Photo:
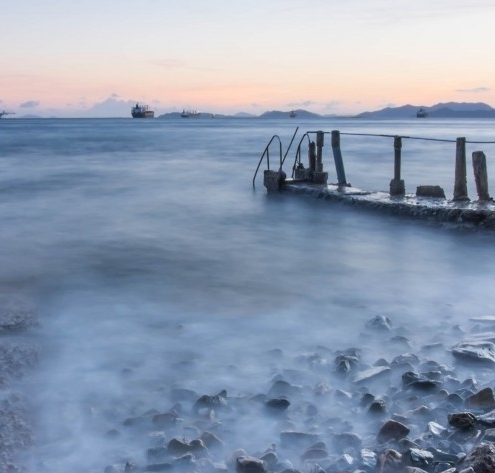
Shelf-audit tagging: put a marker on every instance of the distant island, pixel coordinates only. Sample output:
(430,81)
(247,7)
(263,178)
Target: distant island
(448,110)
(440,110)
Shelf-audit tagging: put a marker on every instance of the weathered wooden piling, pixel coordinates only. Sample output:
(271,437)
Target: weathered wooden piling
(337,157)
(397,185)
(460,183)
(320,177)
(481,175)
(312,156)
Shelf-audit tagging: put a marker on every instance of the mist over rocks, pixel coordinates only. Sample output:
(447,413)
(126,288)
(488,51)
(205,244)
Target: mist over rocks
(18,356)
(381,407)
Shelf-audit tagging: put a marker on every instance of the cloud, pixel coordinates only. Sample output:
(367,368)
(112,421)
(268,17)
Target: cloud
(474,90)
(30,104)
(304,103)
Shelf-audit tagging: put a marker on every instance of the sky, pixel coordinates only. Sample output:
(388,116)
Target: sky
(96,58)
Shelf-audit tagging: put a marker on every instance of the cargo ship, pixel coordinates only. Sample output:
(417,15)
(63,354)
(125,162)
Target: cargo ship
(142,111)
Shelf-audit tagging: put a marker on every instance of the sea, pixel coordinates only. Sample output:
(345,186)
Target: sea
(150,261)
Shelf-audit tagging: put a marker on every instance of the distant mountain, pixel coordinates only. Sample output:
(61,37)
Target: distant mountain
(440,110)
(299,114)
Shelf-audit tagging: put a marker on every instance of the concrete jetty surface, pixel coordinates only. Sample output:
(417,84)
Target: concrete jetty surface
(471,214)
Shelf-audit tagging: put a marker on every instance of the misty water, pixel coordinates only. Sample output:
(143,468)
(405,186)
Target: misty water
(151,264)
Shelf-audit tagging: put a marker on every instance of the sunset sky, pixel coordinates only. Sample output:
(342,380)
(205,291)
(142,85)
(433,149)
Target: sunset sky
(96,57)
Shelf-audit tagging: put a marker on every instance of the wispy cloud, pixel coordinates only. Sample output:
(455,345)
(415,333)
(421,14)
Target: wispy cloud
(474,90)
(30,104)
(304,103)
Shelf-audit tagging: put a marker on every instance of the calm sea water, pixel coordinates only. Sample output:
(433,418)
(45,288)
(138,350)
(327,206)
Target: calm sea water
(144,249)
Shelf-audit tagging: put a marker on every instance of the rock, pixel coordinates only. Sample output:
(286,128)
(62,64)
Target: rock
(371,373)
(392,430)
(345,440)
(462,420)
(248,464)
(483,399)
(419,458)
(389,461)
(211,441)
(380,323)
(481,459)
(291,438)
(282,388)
(218,401)
(179,447)
(479,351)
(165,420)
(430,191)
(279,404)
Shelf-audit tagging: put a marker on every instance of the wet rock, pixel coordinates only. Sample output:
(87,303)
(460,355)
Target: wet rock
(248,464)
(368,459)
(218,401)
(293,439)
(435,429)
(346,440)
(282,388)
(380,323)
(389,461)
(481,459)
(314,454)
(159,467)
(370,374)
(378,406)
(392,430)
(419,458)
(483,399)
(462,420)
(277,405)
(157,454)
(179,447)
(211,441)
(165,420)
(16,320)
(479,351)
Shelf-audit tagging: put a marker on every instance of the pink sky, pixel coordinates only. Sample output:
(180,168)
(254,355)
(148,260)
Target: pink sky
(95,58)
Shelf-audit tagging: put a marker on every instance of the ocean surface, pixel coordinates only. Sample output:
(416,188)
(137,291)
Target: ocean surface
(151,262)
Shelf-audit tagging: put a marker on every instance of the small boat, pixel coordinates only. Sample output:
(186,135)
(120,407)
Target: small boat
(142,111)
(421,113)
(292,114)
(190,114)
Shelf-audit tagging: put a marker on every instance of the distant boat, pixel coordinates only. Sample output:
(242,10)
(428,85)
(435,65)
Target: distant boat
(190,114)
(142,111)
(421,113)
(292,113)
(3,113)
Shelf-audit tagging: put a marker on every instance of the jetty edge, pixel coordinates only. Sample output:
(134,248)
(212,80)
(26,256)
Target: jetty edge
(427,203)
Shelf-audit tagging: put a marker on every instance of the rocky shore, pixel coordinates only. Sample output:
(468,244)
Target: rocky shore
(17,357)
(428,409)
(401,400)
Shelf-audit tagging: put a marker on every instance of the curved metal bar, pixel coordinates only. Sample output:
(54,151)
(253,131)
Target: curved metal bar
(298,152)
(268,156)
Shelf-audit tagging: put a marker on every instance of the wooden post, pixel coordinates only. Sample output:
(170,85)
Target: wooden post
(481,175)
(460,185)
(319,151)
(312,156)
(397,156)
(397,186)
(337,157)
